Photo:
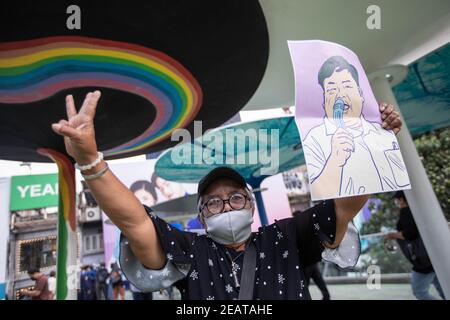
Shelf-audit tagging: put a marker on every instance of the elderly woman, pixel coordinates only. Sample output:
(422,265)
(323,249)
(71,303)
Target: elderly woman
(229,262)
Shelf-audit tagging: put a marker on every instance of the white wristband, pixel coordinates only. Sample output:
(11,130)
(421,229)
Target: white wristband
(91,165)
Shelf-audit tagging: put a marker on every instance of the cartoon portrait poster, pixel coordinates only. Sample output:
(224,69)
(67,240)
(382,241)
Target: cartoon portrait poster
(347,152)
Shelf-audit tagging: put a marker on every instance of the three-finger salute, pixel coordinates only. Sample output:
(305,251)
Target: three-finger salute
(78,130)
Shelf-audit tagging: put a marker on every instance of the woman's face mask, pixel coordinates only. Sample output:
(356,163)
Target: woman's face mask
(230,227)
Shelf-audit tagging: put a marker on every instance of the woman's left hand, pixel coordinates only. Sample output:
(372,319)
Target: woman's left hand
(391,118)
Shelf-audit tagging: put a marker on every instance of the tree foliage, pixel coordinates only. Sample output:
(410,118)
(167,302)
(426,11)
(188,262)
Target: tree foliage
(434,149)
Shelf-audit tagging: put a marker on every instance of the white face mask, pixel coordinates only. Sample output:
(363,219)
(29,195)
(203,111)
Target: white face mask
(230,227)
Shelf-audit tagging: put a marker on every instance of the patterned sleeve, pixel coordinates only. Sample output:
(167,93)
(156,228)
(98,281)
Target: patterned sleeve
(177,246)
(318,225)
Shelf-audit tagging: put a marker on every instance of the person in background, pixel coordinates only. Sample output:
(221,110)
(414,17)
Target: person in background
(139,295)
(313,272)
(52,283)
(40,291)
(87,283)
(411,244)
(101,282)
(117,283)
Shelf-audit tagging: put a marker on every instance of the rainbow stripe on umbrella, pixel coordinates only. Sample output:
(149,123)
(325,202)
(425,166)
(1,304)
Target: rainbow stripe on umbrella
(33,70)
(67,248)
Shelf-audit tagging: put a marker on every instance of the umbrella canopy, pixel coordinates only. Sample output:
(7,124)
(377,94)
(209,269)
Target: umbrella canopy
(287,148)
(424,96)
(177,207)
(160,64)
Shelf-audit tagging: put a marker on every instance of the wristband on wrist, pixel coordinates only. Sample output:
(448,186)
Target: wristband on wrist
(90,165)
(95,175)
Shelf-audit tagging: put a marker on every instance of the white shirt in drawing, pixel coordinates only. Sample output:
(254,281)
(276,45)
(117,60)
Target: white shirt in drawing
(375,165)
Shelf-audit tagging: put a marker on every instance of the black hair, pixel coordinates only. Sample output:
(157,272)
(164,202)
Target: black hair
(336,63)
(296,213)
(147,186)
(33,270)
(52,273)
(399,195)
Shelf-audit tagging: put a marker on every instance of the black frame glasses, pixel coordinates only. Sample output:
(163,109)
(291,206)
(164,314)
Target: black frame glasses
(209,213)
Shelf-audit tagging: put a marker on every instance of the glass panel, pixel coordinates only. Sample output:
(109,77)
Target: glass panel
(37,253)
(100,240)
(87,243)
(94,243)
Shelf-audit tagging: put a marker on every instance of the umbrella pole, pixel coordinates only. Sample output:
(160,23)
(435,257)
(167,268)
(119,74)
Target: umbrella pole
(256,184)
(67,239)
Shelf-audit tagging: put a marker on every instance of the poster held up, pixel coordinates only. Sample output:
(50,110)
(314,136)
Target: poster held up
(347,152)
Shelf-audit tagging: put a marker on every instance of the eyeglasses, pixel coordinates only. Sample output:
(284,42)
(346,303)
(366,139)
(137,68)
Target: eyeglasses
(215,205)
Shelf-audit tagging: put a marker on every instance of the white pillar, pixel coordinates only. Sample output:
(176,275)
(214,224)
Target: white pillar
(421,198)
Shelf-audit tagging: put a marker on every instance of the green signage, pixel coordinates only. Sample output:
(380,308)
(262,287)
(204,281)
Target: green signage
(34,191)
